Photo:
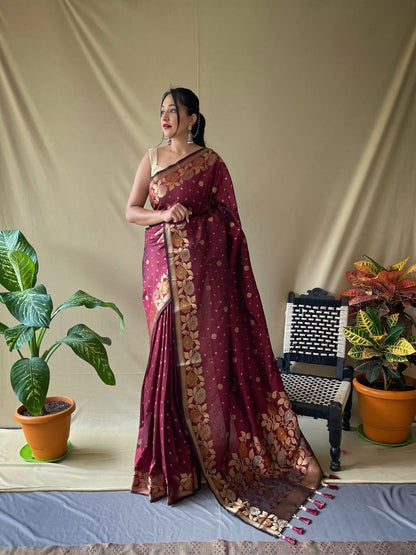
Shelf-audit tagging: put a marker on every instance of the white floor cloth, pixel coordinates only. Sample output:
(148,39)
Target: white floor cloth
(359,512)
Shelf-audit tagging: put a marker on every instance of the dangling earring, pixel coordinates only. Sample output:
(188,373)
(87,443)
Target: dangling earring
(197,127)
(190,139)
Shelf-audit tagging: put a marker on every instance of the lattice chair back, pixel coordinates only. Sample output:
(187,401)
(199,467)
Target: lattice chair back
(313,330)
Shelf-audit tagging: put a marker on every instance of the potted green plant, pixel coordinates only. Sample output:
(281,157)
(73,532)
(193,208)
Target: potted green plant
(32,307)
(383,346)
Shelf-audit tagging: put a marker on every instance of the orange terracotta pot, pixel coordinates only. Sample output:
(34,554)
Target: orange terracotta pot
(386,415)
(47,435)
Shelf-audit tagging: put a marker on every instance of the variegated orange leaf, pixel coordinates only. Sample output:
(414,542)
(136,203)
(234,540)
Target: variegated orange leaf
(366,266)
(399,266)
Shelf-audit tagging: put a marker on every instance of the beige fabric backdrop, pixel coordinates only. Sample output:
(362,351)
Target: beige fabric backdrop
(310,103)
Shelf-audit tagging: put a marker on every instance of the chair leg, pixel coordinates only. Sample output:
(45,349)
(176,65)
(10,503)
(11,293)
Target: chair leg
(335,453)
(347,374)
(335,433)
(346,415)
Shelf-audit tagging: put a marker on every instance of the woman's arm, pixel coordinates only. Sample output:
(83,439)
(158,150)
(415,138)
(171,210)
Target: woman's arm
(135,211)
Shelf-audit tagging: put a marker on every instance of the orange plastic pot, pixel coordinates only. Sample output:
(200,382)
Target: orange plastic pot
(386,415)
(47,435)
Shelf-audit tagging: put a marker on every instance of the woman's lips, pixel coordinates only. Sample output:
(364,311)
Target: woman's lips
(166,126)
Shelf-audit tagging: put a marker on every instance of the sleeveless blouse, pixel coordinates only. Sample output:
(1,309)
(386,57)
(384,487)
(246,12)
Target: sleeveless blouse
(153,161)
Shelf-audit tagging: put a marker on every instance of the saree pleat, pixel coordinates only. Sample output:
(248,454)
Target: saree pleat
(212,384)
(165,465)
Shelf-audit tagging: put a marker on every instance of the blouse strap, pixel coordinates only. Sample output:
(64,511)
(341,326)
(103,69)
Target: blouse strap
(153,159)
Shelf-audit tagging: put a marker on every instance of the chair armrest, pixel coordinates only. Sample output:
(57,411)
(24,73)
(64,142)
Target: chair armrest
(343,393)
(282,366)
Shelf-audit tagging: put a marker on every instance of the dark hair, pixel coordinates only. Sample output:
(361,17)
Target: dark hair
(190,102)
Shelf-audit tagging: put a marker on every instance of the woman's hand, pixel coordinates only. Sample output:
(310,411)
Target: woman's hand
(176,213)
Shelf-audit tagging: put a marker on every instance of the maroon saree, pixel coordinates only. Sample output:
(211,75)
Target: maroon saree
(212,401)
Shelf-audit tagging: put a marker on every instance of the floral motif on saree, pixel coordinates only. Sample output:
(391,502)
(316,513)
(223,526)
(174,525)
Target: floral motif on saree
(235,422)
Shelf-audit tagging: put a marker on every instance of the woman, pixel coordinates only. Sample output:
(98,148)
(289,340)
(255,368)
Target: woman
(212,399)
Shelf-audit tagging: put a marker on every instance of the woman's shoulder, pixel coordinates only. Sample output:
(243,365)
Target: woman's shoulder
(154,150)
(213,156)
(208,151)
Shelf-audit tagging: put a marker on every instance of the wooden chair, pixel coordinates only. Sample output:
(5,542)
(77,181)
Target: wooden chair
(313,336)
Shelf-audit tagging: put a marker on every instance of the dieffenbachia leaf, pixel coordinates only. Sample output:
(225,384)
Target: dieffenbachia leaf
(31,307)
(18,261)
(80,298)
(89,346)
(17,336)
(30,382)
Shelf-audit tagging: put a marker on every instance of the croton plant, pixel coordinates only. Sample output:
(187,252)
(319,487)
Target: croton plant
(386,289)
(381,326)
(381,348)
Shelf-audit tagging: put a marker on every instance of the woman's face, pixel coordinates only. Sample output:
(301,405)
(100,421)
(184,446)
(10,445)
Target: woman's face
(169,118)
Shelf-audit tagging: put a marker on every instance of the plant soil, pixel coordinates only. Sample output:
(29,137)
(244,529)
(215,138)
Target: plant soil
(379,386)
(51,407)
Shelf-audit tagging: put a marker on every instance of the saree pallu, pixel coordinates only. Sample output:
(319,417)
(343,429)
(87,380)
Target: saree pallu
(212,398)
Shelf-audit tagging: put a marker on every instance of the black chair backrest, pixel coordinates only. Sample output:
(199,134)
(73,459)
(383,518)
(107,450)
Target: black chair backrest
(313,330)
